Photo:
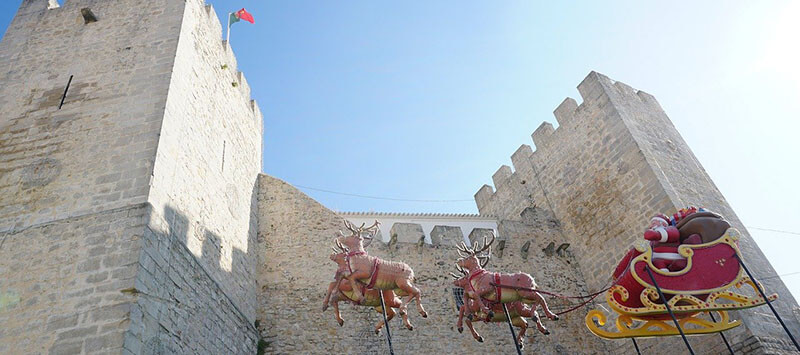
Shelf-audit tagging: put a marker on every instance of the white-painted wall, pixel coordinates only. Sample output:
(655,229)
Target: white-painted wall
(428,221)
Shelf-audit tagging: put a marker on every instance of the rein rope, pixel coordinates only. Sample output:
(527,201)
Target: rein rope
(589,298)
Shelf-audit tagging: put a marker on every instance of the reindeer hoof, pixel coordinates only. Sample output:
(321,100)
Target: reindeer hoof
(410,328)
(377,331)
(341,323)
(424,314)
(480,339)
(490,315)
(324,308)
(460,329)
(555,317)
(546,332)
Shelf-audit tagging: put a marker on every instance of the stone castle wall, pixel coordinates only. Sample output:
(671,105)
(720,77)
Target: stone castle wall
(74,180)
(614,161)
(133,218)
(198,263)
(295,236)
(96,152)
(127,215)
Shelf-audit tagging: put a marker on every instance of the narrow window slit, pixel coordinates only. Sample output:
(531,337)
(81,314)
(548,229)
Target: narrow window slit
(65,92)
(224,143)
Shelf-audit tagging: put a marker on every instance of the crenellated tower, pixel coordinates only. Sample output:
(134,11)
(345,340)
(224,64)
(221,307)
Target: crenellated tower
(615,160)
(129,153)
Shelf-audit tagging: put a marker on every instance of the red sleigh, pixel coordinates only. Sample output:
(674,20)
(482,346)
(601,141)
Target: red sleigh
(712,281)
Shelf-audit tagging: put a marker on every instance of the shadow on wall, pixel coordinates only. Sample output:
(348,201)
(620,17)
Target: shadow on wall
(188,302)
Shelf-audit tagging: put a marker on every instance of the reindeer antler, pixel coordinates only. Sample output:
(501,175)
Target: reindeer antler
(461,270)
(341,246)
(371,232)
(463,250)
(350,226)
(479,248)
(485,245)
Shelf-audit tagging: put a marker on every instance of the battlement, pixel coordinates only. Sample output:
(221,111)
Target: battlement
(614,160)
(426,228)
(229,62)
(599,93)
(207,18)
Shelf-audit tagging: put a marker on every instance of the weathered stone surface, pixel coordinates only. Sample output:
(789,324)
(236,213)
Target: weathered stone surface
(477,235)
(133,219)
(126,215)
(407,232)
(447,236)
(295,235)
(614,161)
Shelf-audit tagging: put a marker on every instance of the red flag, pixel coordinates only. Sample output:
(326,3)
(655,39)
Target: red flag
(244,15)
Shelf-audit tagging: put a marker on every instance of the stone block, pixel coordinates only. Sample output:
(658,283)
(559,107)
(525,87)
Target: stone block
(565,112)
(521,158)
(501,176)
(542,135)
(407,232)
(446,236)
(477,235)
(483,195)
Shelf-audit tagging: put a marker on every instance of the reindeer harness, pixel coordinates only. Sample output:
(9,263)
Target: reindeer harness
(373,278)
(497,288)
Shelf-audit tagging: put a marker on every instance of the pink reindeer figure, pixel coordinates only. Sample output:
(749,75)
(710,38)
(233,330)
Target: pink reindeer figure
(376,273)
(494,287)
(344,292)
(516,310)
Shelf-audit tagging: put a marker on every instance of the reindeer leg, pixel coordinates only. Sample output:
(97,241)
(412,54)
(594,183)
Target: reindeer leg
(539,324)
(413,293)
(393,301)
(327,300)
(540,300)
(389,315)
(335,304)
(418,297)
(407,323)
(475,334)
(520,323)
(484,307)
(353,278)
(529,295)
(461,318)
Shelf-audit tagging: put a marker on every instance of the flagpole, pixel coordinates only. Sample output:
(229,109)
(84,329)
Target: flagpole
(228,40)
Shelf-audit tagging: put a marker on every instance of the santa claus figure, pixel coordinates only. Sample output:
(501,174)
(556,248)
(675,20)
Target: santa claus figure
(665,238)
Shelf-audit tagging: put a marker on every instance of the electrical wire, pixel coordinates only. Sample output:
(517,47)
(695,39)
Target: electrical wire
(376,197)
(773,230)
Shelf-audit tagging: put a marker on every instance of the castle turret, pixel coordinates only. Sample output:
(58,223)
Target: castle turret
(614,161)
(129,152)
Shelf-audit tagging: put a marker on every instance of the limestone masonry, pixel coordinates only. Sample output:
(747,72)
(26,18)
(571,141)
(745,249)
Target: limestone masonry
(134,217)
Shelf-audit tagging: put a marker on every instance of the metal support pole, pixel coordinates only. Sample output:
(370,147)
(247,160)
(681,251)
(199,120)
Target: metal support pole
(669,310)
(758,286)
(228,39)
(511,327)
(721,334)
(636,346)
(386,325)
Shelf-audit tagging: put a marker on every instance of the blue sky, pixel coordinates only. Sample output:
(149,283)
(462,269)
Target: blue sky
(425,100)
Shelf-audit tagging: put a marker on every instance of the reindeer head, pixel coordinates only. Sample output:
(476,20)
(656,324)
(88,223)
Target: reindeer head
(339,256)
(357,240)
(473,258)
